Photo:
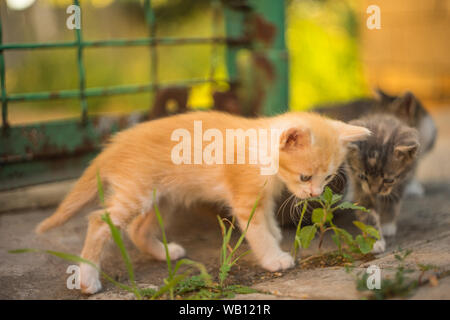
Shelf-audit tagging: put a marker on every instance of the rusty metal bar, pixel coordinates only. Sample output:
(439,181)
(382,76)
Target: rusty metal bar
(215,4)
(150,19)
(168,41)
(3,82)
(81,70)
(103,91)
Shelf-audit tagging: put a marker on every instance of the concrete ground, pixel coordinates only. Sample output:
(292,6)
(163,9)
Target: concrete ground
(424,228)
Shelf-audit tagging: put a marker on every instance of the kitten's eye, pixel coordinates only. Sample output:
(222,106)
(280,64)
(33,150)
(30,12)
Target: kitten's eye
(329,177)
(305,178)
(388,181)
(362,176)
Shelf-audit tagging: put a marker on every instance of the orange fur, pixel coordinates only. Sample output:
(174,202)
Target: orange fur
(138,160)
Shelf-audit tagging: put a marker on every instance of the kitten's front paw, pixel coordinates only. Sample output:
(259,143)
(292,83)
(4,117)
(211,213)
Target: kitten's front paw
(280,262)
(379,246)
(89,279)
(415,189)
(176,251)
(389,229)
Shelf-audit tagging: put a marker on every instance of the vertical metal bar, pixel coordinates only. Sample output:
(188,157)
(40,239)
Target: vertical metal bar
(151,22)
(277,96)
(3,83)
(215,16)
(234,28)
(81,71)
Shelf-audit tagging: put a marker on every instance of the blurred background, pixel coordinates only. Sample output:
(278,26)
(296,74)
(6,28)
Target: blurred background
(296,54)
(333,56)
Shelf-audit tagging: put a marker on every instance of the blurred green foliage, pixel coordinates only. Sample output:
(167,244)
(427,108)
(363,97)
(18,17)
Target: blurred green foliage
(322,39)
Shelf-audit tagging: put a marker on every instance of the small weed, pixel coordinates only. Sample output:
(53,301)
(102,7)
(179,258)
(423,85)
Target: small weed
(401,284)
(174,279)
(201,287)
(227,253)
(191,284)
(322,219)
(195,288)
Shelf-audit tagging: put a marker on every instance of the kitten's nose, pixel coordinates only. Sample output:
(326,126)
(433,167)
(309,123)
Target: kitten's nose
(316,192)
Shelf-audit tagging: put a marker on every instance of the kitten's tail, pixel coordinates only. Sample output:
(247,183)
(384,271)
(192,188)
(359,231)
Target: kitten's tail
(83,192)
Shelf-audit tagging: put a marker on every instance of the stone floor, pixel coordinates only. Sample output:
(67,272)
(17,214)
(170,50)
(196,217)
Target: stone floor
(424,228)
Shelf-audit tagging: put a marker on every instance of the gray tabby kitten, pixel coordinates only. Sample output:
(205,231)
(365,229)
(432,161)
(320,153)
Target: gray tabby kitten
(379,169)
(408,111)
(406,107)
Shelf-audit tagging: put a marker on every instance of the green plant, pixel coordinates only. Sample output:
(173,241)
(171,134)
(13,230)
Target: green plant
(174,279)
(117,237)
(200,287)
(423,269)
(195,288)
(322,219)
(227,253)
(399,286)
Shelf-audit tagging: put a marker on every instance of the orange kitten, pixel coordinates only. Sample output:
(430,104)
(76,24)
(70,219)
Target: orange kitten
(188,158)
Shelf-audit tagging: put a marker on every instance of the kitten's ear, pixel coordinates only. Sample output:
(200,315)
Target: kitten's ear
(408,151)
(351,133)
(406,105)
(353,147)
(383,96)
(295,138)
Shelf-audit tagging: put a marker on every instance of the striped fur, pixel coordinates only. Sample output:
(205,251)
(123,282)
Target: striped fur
(380,167)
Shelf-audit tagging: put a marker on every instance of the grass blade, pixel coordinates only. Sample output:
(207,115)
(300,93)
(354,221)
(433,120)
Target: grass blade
(170,285)
(117,237)
(297,232)
(163,233)
(115,233)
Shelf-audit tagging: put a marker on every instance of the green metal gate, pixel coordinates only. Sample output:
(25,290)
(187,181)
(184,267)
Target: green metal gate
(56,150)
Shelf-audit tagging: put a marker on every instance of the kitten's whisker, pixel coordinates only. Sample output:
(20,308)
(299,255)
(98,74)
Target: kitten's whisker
(293,208)
(283,205)
(297,209)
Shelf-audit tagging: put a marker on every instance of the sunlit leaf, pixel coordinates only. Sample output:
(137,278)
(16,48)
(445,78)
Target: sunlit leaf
(307,234)
(363,244)
(349,205)
(336,198)
(327,195)
(367,229)
(317,215)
